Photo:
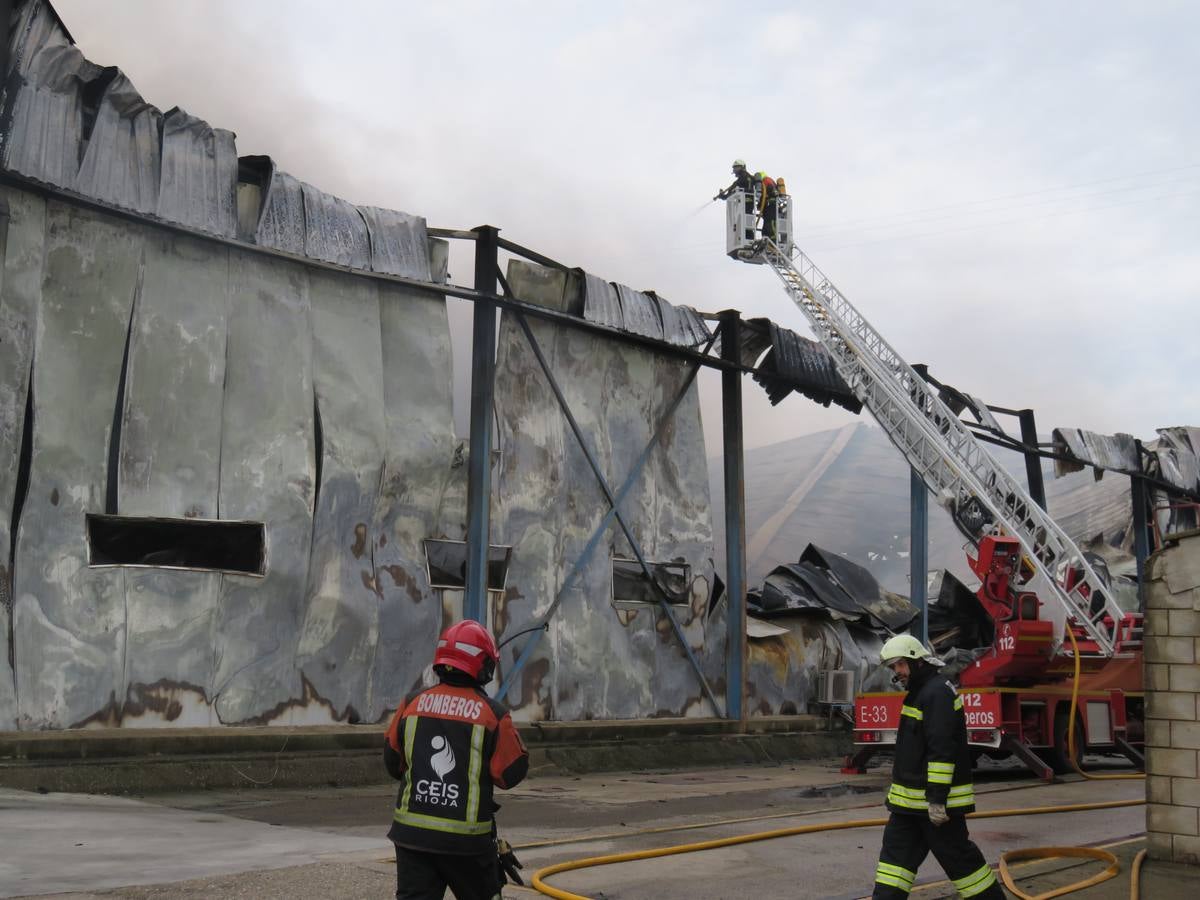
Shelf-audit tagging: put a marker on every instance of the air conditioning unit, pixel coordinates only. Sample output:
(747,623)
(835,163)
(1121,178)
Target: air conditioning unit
(835,687)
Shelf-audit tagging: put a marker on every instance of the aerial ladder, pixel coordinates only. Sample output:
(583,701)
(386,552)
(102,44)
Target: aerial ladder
(1017,543)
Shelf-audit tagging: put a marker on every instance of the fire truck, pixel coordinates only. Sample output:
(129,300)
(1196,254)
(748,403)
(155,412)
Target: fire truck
(1017,692)
(1050,607)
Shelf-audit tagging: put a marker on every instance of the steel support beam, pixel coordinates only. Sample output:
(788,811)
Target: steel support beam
(735,519)
(635,473)
(6,10)
(1140,498)
(918,556)
(1033,461)
(479,463)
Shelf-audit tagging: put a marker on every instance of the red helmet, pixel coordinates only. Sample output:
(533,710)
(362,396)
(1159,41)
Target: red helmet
(470,648)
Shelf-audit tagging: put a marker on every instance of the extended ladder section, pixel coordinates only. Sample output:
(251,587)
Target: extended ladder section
(952,463)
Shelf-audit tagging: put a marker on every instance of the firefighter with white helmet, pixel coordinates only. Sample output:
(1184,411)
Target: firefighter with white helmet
(931,790)
(743,180)
(449,746)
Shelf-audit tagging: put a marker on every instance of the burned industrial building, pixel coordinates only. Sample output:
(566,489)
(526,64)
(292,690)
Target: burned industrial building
(231,491)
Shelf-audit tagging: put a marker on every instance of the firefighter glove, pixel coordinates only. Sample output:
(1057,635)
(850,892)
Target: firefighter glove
(509,864)
(937,814)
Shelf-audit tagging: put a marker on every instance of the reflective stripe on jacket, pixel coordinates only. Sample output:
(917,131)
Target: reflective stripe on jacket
(449,745)
(933,760)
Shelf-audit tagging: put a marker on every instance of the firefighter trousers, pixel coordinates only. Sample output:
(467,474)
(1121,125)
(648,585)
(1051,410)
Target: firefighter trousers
(908,839)
(425,876)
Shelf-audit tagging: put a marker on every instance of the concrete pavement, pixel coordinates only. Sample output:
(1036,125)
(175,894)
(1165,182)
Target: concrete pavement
(329,843)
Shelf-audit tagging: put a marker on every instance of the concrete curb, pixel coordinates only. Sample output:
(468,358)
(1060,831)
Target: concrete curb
(135,761)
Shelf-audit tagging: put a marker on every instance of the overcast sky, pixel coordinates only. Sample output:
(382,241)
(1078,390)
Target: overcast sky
(1010,192)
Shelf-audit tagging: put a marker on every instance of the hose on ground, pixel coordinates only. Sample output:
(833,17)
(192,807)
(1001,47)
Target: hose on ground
(1029,853)
(539,877)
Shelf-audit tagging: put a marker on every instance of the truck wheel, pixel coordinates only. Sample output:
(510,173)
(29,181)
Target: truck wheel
(1059,758)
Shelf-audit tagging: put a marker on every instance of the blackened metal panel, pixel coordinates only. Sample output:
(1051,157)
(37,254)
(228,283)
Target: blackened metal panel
(199,175)
(419,417)
(681,325)
(43,115)
(1117,452)
(599,660)
(601,304)
(22,239)
(399,242)
(531,481)
(282,223)
(267,475)
(169,466)
(639,313)
(37,27)
(334,230)
(171,434)
(341,605)
(1177,458)
(782,670)
(695,330)
(122,162)
(796,363)
(69,620)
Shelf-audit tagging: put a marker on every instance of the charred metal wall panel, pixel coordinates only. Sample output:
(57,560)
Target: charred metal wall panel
(782,670)
(169,466)
(399,245)
(22,236)
(72,618)
(341,611)
(282,222)
(548,503)
(267,475)
(639,313)
(43,114)
(199,175)
(122,162)
(334,230)
(418,407)
(601,303)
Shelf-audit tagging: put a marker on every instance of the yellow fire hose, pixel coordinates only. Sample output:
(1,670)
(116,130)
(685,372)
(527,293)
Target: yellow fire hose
(1010,856)
(540,875)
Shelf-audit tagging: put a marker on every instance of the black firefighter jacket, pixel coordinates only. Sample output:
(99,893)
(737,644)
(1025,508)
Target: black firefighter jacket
(449,745)
(933,761)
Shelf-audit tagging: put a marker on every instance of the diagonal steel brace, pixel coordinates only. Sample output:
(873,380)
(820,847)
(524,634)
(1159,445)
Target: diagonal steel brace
(613,512)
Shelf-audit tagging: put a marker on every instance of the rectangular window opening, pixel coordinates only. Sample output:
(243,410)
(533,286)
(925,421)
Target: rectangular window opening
(630,587)
(446,563)
(195,544)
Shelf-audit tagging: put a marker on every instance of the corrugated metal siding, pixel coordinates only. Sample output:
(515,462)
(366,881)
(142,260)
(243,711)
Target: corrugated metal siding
(282,222)
(1117,452)
(122,164)
(639,313)
(798,364)
(334,230)
(681,325)
(399,242)
(199,175)
(601,304)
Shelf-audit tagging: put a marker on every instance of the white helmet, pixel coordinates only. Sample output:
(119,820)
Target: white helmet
(739,163)
(905,646)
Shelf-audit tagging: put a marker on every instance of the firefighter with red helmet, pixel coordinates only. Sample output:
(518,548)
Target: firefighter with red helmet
(449,746)
(931,790)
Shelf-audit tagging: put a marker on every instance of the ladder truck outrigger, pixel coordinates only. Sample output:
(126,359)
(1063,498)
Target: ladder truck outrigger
(1037,586)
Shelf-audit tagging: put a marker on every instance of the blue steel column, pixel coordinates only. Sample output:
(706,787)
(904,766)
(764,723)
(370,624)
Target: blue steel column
(735,519)
(918,557)
(479,463)
(1141,533)
(1033,463)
